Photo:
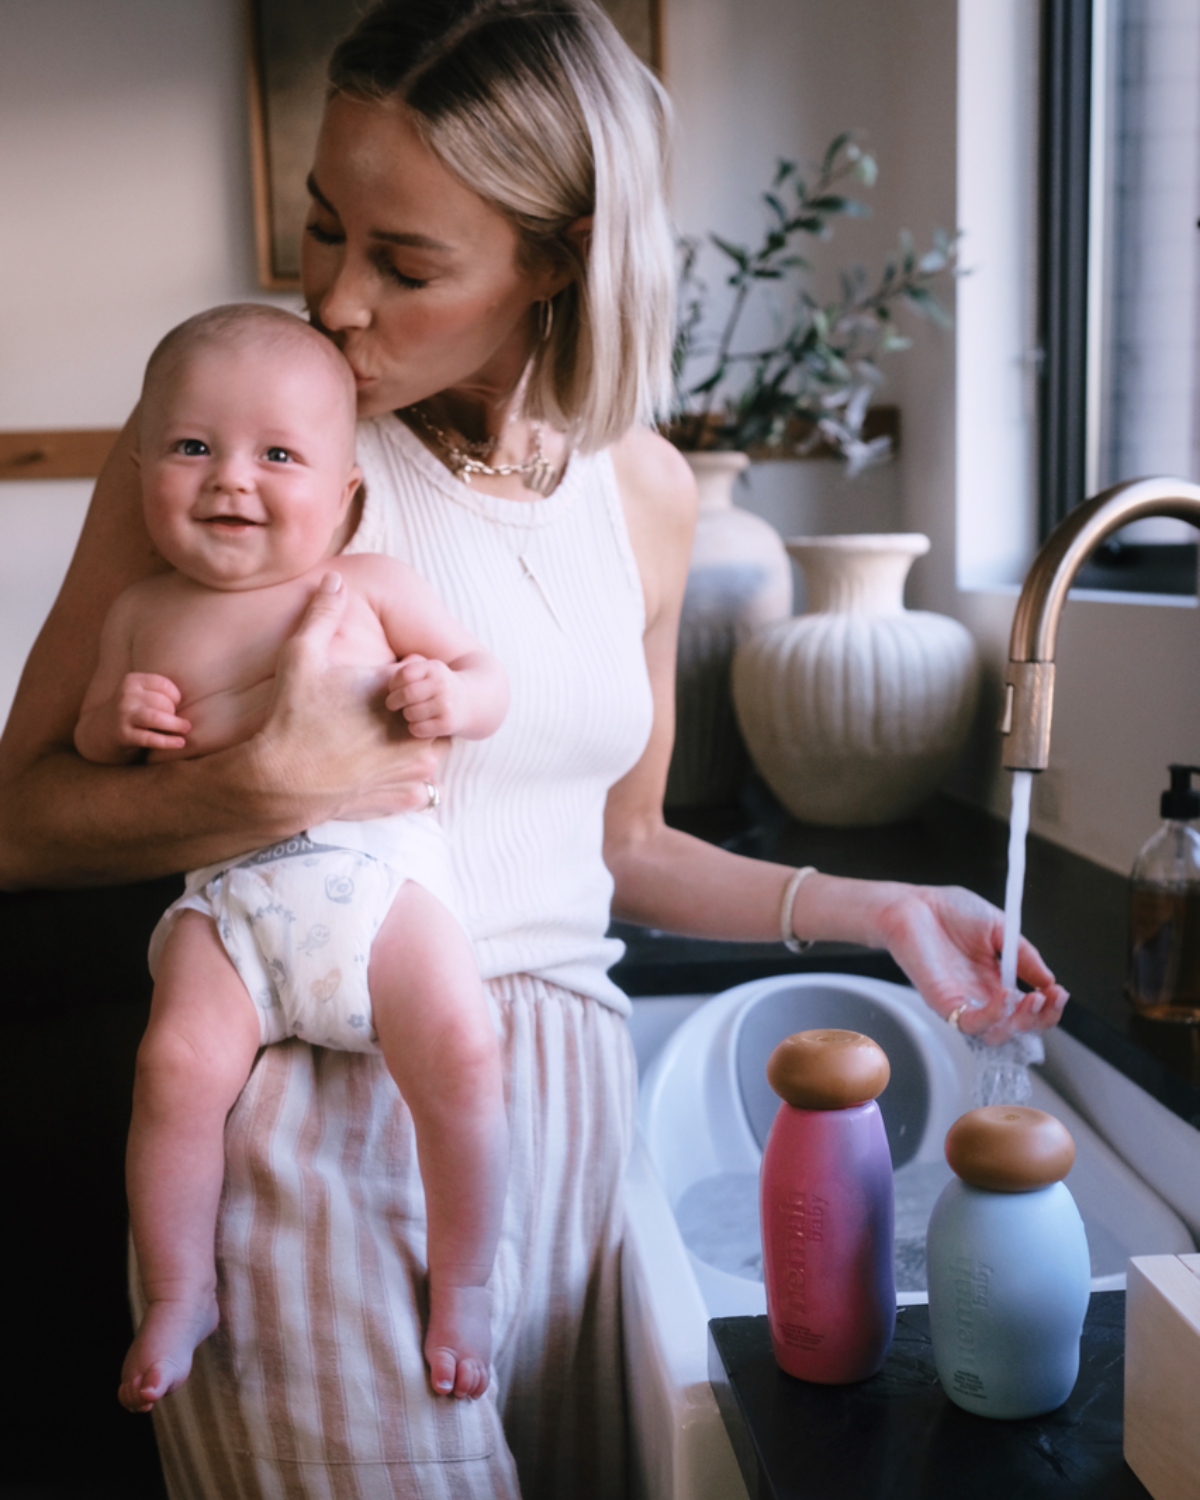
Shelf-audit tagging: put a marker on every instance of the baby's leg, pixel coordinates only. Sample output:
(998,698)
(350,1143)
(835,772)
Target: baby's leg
(437,1038)
(194,1059)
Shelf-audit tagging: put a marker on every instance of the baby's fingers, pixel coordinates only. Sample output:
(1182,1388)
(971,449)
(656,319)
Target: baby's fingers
(155,727)
(406,695)
(149,685)
(150,739)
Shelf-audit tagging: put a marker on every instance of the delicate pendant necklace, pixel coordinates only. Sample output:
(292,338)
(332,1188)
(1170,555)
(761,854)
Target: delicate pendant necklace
(467,458)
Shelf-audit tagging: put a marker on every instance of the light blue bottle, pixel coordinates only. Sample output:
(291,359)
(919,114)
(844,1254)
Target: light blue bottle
(1008,1263)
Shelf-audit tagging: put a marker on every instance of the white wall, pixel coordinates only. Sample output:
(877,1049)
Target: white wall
(125,175)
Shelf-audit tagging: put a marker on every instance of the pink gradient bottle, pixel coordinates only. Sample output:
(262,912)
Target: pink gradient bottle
(827,1208)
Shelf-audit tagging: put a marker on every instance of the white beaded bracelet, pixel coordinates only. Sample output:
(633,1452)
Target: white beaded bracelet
(786,930)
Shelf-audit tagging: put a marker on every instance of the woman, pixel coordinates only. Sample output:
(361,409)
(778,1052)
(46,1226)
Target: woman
(488,246)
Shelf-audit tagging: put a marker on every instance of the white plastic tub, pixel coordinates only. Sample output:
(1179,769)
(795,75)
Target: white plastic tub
(691,1232)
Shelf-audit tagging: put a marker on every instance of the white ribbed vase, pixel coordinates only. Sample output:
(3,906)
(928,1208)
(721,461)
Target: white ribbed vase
(856,711)
(739,579)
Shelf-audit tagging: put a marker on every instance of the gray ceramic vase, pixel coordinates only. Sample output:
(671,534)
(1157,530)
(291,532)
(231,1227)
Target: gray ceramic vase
(739,580)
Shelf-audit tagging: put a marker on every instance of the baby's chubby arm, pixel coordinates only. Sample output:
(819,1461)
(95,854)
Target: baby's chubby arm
(125,712)
(446,683)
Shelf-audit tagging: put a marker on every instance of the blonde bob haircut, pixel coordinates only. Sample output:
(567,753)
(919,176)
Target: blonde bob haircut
(541,108)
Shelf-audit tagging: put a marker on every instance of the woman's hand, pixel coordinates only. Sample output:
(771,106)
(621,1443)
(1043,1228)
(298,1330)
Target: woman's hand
(948,940)
(329,740)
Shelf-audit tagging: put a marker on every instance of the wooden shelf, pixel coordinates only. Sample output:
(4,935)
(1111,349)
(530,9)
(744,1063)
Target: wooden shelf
(60,453)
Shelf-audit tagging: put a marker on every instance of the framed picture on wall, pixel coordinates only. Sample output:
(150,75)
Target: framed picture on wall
(291,41)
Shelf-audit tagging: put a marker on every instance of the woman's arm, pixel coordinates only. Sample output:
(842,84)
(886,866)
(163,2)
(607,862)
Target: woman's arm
(946,940)
(324,752)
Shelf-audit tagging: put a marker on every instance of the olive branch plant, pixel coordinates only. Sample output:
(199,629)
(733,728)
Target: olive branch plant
(814,383)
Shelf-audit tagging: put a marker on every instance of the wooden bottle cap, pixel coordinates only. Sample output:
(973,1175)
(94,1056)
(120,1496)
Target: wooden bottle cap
(1009,1148)
(827,1069)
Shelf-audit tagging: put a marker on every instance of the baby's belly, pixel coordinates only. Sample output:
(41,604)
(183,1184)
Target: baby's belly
(222,719)
(231,716)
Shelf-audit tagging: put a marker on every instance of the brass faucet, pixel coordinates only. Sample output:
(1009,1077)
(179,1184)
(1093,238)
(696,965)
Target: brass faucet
(1029,681)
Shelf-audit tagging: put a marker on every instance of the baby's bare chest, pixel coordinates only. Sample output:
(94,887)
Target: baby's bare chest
(222,651)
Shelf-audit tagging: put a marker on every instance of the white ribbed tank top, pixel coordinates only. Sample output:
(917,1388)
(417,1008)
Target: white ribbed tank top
(524,810)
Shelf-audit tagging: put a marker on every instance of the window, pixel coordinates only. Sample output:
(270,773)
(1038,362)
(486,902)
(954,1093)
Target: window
(1120,202)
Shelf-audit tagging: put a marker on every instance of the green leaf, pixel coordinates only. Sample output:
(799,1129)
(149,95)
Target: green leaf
(834,150)
(736,253)
(835,203)
(808,224)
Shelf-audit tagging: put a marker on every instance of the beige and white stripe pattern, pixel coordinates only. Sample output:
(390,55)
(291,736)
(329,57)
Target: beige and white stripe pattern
(314,1387)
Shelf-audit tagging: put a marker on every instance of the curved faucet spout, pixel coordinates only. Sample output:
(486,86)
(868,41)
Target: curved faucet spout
(1029,681)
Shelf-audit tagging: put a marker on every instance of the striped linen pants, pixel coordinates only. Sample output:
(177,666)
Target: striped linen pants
(314,1386)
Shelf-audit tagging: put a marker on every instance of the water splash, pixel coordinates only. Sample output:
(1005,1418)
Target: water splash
(1002,1073)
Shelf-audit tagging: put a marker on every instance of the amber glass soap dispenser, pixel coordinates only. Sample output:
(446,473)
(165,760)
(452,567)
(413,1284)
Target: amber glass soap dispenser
(1164,931)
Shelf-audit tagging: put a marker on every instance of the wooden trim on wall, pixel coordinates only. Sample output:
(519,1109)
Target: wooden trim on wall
(79,452)
(61,453)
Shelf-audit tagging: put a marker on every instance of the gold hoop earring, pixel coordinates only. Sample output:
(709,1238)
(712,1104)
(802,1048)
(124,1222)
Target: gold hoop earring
(545,319)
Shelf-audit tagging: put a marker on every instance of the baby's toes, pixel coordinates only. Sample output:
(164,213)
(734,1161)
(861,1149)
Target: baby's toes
(129,1394)
(472,1379)
(443,1370)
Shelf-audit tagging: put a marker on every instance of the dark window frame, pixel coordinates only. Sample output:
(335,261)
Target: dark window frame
(1064,223)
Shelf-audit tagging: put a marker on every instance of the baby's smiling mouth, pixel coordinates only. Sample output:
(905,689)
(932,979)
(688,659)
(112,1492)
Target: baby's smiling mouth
(233,523)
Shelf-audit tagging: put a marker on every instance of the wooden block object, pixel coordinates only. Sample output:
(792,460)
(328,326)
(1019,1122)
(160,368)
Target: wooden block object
(1162,1374)
(77,453)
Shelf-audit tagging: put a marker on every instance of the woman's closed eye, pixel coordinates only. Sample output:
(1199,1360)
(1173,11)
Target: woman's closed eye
(323,236)
(387,268)
(383,263)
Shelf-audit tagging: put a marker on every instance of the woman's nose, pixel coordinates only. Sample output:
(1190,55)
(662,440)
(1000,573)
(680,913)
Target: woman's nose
(342,303)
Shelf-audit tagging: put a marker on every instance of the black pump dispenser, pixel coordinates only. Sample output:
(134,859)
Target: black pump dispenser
(1181,800)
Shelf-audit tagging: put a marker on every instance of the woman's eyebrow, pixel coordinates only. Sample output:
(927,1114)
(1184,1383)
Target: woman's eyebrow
(391,237)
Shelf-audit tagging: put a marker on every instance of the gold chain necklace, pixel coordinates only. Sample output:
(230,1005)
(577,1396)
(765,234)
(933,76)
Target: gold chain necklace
(468,458)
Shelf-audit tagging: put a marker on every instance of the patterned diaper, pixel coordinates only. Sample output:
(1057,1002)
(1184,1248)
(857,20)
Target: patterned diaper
(298,920)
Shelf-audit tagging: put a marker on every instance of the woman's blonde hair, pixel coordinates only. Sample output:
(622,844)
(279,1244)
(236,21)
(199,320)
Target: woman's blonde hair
(542,109)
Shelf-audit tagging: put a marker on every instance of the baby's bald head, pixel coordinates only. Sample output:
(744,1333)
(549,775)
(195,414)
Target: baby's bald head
(267,332)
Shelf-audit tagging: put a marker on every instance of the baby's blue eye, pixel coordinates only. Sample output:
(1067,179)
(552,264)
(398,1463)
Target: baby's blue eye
(193,448)
(278,456)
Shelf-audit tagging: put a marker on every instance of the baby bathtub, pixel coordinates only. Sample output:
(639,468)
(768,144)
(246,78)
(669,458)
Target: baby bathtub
(691,1248)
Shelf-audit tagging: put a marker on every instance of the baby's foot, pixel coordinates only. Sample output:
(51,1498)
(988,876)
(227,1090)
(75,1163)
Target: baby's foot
(458,1345)
(160,1357)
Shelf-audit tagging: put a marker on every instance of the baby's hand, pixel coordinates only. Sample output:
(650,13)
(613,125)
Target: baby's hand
(144,712)
(429,695)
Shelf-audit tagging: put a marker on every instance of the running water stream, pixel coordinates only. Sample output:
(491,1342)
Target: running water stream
(1018,832)
(1002,1072)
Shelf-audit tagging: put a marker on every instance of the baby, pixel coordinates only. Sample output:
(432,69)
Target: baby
(343,934)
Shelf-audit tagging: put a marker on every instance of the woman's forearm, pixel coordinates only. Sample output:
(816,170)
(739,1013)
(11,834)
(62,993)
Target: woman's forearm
(673,881)
(67,822)
(946,940)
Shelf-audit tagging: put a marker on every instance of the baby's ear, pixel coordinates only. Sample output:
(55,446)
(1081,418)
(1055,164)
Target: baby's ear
(353,480)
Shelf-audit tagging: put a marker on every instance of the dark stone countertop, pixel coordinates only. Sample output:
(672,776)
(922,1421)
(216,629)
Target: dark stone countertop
(1076,913)
(898,1436)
